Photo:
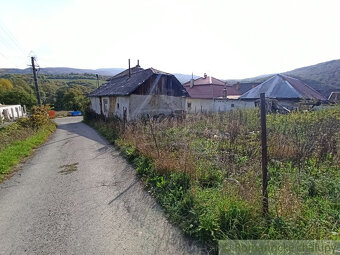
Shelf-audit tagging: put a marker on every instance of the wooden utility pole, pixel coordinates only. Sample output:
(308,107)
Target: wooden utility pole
(35,81)
(264,156)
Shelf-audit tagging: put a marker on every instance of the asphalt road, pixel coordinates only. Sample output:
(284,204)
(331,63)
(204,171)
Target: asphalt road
(76,195)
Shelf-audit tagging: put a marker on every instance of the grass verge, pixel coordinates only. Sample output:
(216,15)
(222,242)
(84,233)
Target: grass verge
(20,138)
(14,153)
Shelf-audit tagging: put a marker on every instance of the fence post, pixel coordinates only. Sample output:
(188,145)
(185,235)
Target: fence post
(264,156)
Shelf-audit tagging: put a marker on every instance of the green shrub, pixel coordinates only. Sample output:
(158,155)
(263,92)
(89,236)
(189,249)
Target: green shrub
(39,116)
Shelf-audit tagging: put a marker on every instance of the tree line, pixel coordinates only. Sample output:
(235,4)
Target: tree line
(68,92)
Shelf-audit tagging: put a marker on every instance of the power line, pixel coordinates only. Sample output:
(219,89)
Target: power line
(9,60)
(11,37)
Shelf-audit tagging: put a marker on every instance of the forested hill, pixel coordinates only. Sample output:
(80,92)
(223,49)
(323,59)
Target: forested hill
(67,70)
(324,77)
(63,70)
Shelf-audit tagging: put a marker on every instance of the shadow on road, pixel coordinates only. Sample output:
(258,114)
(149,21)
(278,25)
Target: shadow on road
(75,127)
(124,191)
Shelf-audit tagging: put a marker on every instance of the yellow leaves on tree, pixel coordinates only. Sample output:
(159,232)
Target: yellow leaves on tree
(5,85)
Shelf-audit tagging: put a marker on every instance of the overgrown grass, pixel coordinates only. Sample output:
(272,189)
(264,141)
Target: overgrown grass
(20,138)
(206,172)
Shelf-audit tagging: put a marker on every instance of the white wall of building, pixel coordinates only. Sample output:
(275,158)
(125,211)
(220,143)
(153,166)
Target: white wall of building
(111,106)
(154,105)
(230,104)
(139,105)
(123,103)
(105,106)
(14,111)
(95,104)
(198,105)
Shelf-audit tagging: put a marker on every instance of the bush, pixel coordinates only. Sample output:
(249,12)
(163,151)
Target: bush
(39,116)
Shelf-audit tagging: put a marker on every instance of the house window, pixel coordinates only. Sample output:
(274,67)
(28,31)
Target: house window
(232,105)
(105,102)
(117,105)
(189,105)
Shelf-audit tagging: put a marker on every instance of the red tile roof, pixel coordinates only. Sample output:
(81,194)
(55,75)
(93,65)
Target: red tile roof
(209,87)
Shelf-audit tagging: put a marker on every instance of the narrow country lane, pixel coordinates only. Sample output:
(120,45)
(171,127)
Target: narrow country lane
(77,195)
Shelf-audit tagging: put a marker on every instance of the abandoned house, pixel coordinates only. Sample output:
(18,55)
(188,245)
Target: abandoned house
(285,90)
(208,94)
(137,92)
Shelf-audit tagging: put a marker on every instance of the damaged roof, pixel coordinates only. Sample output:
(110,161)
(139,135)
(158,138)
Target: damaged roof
(283,87)
(123,85)
(126,72)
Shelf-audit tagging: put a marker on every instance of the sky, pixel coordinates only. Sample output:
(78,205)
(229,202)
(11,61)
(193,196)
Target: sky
(227,39)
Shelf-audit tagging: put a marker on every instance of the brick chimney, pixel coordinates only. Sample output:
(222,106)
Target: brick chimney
(237,87)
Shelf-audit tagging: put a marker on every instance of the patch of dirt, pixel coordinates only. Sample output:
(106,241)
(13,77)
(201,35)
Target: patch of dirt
(67,169)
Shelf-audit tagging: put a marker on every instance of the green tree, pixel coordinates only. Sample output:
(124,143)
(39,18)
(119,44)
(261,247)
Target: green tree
(18,96)
(22,84)
(75,100)
(59,103)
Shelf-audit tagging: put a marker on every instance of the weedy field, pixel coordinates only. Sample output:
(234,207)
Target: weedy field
(205,171)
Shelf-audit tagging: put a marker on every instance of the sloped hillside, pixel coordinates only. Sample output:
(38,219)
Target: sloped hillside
(324,77)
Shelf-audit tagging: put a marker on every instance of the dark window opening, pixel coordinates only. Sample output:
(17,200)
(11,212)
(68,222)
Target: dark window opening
(106,102)
(232,105)
(189,105)
(117,105)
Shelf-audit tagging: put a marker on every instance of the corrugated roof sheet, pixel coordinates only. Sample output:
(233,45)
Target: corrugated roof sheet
(283,87)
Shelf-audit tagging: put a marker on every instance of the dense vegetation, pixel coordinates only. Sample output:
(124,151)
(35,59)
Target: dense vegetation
(61,92)
(205,171)
(18,139)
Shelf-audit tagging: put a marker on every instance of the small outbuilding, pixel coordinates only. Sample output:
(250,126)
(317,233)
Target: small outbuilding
(334,97)
(208,94)
(12,112)
(287,91)
(137,92)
